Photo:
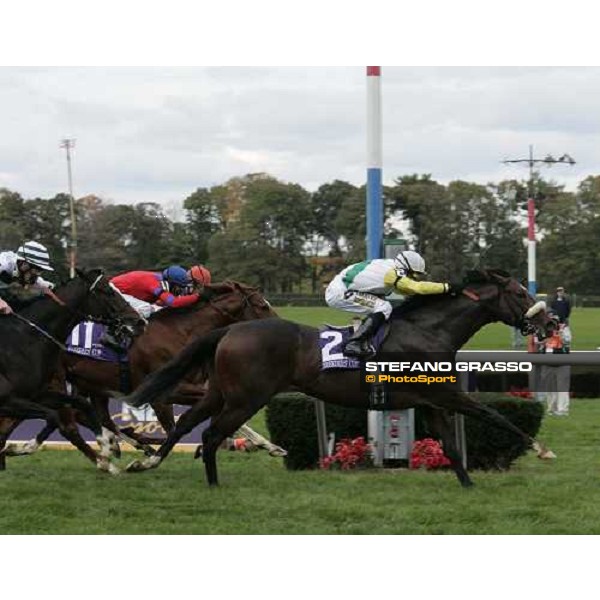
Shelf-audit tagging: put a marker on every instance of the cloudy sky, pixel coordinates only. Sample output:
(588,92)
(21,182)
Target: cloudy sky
(156,134)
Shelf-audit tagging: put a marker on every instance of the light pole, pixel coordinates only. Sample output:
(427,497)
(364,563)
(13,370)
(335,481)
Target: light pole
(565,159)
(68,144)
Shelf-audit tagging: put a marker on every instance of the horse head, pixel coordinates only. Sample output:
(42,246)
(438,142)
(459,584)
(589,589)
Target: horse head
(238,301)
(509,301)
(104,304)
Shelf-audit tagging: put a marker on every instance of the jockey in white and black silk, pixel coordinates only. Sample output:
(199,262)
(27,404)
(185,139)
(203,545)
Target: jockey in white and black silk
(363,287)
(20,279)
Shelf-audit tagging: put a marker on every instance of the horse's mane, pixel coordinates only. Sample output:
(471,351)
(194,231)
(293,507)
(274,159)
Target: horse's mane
(475,276)
(211,291)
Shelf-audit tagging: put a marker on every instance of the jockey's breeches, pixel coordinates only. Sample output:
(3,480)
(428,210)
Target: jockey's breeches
(337,295)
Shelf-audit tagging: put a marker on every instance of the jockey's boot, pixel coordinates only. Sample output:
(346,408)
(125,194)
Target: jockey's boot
(360,344)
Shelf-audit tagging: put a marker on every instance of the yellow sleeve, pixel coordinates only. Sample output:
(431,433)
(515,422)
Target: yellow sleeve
(409,287)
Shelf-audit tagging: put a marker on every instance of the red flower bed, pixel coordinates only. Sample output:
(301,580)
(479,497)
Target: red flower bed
(349,454)
(429,454)
(520,393)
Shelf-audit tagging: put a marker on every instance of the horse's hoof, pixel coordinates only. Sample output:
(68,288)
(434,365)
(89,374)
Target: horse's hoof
(278,452)
(113,469)
(104,465)
(546,455)
(143,465)
(20,449)
(135,467)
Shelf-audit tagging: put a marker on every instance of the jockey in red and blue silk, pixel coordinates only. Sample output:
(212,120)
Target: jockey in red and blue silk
(163,289)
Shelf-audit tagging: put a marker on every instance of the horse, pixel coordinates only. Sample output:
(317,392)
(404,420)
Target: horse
(168,331)
(251,362)
(32,341)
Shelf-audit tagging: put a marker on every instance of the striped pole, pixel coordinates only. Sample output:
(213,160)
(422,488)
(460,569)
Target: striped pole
(374,219)
(532,284)
(374,161)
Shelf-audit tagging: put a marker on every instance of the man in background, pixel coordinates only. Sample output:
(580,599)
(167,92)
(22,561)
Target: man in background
(561,306)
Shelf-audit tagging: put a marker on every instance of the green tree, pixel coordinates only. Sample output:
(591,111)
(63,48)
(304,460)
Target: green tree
(11,220)
(326,204)
(263,242)
(350,223)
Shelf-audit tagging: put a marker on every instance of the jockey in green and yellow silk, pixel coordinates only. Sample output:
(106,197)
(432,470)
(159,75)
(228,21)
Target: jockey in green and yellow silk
(362,288)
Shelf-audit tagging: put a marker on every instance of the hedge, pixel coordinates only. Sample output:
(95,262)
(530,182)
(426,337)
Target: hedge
(292,424)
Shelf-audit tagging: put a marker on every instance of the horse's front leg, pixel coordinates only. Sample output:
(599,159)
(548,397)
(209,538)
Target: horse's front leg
(202,410)
(68,427)
(33,445)
(260,441)
(461,402)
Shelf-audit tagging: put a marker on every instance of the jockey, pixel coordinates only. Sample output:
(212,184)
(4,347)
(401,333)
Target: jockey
(199,276)
(148,291)
(362,288)
(20,280)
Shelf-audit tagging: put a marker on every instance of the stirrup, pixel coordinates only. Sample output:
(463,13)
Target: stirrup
(362,352)
(112,342)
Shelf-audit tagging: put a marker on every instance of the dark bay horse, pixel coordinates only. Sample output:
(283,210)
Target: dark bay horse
(167,333)
(251,362)
(32,341)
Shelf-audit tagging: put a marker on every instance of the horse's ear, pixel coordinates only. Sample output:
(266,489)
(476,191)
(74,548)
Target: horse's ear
(80,273)
(500,273)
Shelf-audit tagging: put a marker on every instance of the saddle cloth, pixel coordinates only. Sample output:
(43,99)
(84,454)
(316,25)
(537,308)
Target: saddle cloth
(85,340)
(332,340)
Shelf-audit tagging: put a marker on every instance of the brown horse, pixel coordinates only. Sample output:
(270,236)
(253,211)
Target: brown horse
(168,331)
(251,362)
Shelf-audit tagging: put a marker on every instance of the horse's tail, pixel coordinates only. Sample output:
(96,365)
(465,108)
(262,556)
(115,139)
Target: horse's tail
(163,381)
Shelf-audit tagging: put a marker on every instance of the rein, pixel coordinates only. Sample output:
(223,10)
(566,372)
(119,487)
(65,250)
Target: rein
(41,331)
(524,327)
(471,295)
(104,321)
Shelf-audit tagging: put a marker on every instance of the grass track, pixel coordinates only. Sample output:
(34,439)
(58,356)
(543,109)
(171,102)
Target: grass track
(59,492)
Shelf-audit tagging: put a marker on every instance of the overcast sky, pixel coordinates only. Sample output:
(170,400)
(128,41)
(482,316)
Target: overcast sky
(156,134)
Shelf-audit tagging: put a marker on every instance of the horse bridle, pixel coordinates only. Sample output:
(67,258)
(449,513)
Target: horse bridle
(115,320)
(246,303)
(522,323)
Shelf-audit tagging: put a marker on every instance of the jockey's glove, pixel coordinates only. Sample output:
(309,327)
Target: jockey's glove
(455,288)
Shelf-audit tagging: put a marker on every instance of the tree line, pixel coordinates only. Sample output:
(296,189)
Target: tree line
(277,235)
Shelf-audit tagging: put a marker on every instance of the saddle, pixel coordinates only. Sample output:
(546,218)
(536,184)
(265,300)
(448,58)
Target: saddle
(87,339)
(332,340)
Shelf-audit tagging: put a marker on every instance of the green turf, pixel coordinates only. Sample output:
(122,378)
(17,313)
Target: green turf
(585,325)
(60,492)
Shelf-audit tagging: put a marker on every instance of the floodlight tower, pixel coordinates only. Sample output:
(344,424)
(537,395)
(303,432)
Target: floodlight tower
(565,159)
(68,145)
